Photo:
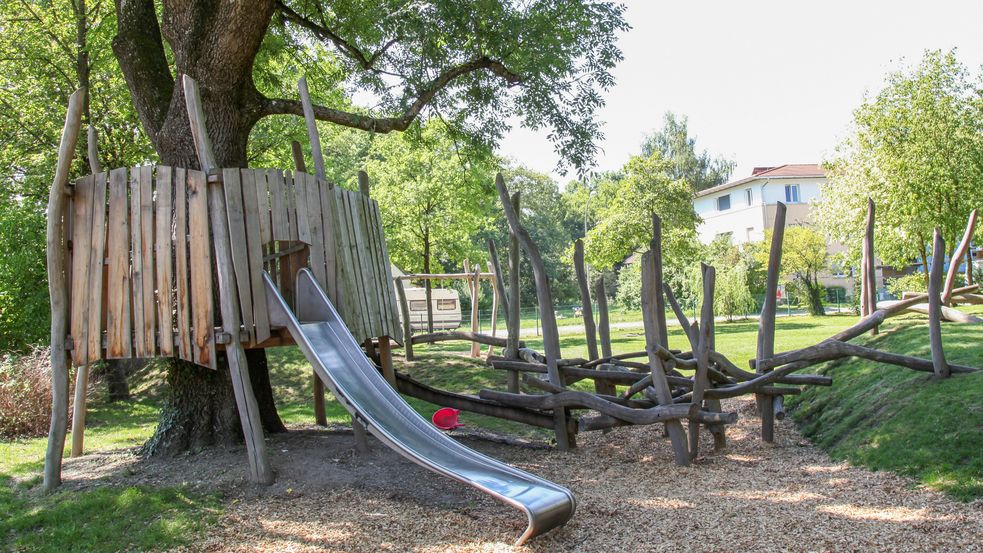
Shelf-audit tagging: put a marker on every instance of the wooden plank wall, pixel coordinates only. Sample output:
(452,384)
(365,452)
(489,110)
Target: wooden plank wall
(141,269)
(148,247)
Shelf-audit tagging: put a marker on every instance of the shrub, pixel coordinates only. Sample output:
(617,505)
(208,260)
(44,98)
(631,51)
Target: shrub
(732,296)
(629,295)
(915,282)
(25,394)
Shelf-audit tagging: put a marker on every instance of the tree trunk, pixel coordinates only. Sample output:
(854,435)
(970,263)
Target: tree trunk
(216,44)
(117,372)
(814,291)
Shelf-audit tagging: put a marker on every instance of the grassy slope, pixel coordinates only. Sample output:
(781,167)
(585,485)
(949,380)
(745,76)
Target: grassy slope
(888,418)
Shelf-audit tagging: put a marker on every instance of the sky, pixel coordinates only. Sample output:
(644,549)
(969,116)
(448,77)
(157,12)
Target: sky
(763,83)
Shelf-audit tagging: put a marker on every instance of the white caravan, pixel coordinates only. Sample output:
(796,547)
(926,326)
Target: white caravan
(446,308)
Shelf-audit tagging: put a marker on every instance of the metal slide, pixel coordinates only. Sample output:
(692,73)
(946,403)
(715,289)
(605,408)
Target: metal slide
(358,385)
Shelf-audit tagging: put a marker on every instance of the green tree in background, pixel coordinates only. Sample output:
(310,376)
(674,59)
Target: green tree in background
(917,151)
(804,257)
(624,214)
(673,141)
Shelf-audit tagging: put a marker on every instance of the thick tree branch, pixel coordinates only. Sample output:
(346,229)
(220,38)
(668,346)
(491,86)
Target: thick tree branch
(280,106)
(139,49)
(324,33)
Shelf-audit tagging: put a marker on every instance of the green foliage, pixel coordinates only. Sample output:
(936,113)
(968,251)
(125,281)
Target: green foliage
(914,282)
(625,206)
(890,418)
(675,144)
(551,224)
(24,312)
(917,151)
(434,194)
(629,295)
(804,256)
(732,295)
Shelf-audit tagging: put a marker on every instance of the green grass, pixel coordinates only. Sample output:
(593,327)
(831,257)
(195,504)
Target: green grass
(890,418)
(110,518)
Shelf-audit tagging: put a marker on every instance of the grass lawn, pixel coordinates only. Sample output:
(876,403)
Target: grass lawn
(881,417)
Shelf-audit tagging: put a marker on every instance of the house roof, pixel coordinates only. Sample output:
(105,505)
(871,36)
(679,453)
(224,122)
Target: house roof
(791,170)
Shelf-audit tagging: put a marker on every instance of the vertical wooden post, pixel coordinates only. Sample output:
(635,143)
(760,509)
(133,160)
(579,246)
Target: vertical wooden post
(260,469)
(660,301)
(551,338)
(407,325)
(702,354)
(587,310)
(475,297)
(939,364)
(499,295)
(82,374)
(514,304)
(766,323)
(664,395)
(312,134)
(386,360)
(869,269)
(320,416)
(603,333)
(58,291)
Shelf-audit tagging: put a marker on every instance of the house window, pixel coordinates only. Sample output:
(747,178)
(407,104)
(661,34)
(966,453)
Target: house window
(748,196)
(728,236)
(749,231)
(792,193)
(418,305)
(446,305)
(723,202)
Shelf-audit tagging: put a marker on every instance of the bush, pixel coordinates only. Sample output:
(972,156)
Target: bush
(629,295)
(915,282)
(732,296)
(25,394)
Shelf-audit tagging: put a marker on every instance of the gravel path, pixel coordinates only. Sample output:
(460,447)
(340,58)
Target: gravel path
(752,497)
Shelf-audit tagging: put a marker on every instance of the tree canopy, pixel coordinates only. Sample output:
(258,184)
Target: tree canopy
(804,257)
(917,150)
(675,144)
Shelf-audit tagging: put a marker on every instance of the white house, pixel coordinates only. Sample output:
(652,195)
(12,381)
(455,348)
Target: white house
(744,208)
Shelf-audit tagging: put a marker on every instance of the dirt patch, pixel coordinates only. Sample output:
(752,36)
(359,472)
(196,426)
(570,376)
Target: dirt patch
(783,497)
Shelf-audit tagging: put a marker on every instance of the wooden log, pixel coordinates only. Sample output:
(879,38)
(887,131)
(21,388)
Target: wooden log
(587,310)
(386,360)
(605,422)
(935,291)
(475,296)
(414,388)
(946,313)
(766,322)
(700,379)
(58,271)
(92,150)
(586,400)
(458,335)
(311,123)
(514,303)
(663,393)
(869,269)
(260,469)
(603,323)
(551,337)
(660,302)
(828,350)
(407,326)
(961,251)
(499,294)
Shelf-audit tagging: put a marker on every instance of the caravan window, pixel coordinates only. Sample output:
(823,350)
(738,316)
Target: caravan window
(446,305)
(418,305)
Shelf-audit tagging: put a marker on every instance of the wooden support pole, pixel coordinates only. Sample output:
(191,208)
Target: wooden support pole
(363,184)
(942,369)
(551,339)
(870,272)
(386,360)
(404,308)
(766,322)
(660,302)
(587,310)
(58,284)
(259,465)
(663,393)
(603,333)
(312,135)
(962,250)
(82,372)
(700,379)
(514,301)
(475,297)
(320,416)
(499,296)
